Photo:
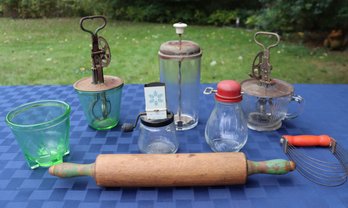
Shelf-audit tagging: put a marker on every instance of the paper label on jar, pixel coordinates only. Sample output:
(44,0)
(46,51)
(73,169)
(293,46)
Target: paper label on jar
(155,101)
(156,114)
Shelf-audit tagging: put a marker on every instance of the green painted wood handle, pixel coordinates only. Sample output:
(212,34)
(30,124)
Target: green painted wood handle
(274,167)
(67,170)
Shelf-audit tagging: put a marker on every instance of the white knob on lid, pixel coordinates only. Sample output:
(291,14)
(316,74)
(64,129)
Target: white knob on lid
(179,28)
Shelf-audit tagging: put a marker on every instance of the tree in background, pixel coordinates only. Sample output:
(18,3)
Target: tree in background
(302,15)
(273,15)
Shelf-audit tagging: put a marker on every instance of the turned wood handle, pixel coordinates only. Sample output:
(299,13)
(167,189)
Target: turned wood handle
(149,170)
(68,170)
(274,167)
(309,140)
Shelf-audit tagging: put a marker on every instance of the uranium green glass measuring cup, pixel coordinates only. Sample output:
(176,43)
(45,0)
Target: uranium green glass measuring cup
(41,129)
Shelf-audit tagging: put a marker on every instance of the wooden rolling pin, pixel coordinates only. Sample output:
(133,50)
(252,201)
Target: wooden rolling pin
(155,170)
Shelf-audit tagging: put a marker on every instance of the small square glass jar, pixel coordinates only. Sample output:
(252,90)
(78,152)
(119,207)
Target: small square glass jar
(158,136)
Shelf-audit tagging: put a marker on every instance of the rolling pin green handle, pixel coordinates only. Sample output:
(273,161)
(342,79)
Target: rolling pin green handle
(274,167)
(67,170)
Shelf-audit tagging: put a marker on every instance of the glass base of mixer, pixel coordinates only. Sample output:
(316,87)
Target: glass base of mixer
(261,122)
(104,124)
(185,122)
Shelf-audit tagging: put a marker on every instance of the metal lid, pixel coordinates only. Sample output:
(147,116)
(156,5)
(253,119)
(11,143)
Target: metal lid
(175,49)
(86,84)
(277,88)
(158,122)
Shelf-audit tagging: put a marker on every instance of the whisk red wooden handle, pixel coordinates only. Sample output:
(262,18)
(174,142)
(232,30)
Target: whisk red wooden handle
(308,140)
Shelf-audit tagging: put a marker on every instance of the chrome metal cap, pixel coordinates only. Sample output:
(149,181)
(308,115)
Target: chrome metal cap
(179,49)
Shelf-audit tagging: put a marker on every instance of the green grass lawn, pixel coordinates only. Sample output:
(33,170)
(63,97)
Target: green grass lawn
(53,51)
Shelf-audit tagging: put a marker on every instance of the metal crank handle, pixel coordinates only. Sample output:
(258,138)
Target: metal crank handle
(266,33)
(308,140)
(128,127)
(91,18)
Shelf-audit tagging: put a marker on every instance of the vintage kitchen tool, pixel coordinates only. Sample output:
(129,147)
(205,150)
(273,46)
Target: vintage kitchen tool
(266,100)
(99,95)
(157,129)
(158,136)
(41,129)
(226,129)
(180,66)
(149,170)
(329,171)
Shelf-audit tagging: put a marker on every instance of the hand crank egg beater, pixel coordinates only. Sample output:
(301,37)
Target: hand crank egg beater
(265,99)
(99,95)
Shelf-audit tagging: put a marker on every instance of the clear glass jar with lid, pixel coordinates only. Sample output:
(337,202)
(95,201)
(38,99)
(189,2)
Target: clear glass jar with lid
(180,65)
(157,136)
(226,129)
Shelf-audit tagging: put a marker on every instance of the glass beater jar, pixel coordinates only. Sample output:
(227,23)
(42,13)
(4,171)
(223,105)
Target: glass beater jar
(99,95)
(180,66)
(226,129)
(266,100)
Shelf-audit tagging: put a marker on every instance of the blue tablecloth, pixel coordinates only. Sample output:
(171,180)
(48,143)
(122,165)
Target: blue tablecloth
(326,112)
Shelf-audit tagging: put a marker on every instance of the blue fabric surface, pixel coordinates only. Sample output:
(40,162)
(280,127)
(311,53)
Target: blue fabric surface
(326,112)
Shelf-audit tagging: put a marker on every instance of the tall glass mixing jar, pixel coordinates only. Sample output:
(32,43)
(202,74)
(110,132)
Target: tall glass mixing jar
(180,70)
